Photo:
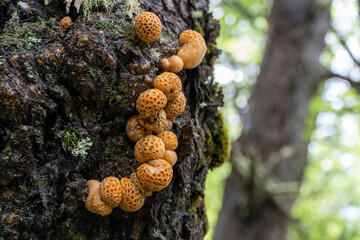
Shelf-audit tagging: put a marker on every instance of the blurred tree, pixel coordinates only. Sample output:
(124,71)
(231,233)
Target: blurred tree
(270,156)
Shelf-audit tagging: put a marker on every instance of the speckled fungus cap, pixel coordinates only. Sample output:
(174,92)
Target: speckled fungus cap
(134,130)
(148,26)
(169,83)
(132,199)
(155,175)
(110,191)
(175,107)
(170,140)
(150,102)
(193,48)
(148,148)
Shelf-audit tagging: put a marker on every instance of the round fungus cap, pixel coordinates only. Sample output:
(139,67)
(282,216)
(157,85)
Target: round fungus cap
(150,102)
(193,48)
(110,191)
(175,107)
(170,140)
(148,26)
(132,199)
(155,175)
(169,83)
(134,130)
(148,148)
(66,23)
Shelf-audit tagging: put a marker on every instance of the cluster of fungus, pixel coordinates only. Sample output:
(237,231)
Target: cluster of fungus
(151,128)
(192,51)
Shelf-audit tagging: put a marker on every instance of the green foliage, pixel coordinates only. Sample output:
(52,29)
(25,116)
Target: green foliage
(328,204)
(214,191)
(243,24)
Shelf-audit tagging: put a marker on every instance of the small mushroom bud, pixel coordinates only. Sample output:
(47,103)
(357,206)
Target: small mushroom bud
(169,83)
(148,148)
(132,199)
(66,23)
(150,102)
(110,191)
(170,140)
(193,48)
(172,64)
(170,156)
(134,130)
(175,107)
(154,123)
(155,175)
(135,180)
(148,26)
(93,202)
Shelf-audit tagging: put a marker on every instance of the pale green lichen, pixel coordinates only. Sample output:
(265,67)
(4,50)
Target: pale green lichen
(196,14)
(155,54)
(131,9)
(75,145)
(165,37)
(87,5)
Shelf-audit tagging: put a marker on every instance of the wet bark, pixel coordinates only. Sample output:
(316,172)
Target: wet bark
(65,97)
(270,156)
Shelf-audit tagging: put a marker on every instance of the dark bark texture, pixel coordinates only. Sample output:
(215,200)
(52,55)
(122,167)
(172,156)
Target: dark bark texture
(270,156)
(65,98)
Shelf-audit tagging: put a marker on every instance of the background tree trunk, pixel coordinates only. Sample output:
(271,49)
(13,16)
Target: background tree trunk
(270,156)
(65,97)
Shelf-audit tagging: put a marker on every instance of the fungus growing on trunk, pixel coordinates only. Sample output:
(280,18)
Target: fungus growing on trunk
(148,148)
(169,83)
(93,202)
(148,26)
(155,175)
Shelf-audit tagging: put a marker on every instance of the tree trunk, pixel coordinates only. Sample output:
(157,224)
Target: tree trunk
(65,98)
(270,156)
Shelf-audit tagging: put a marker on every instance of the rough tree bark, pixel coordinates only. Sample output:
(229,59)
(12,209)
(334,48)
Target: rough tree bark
(65,98)
(270,156)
